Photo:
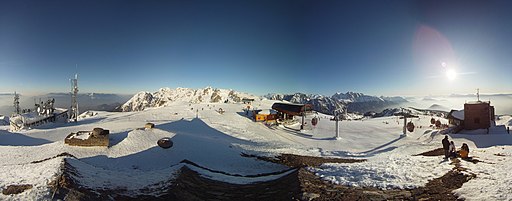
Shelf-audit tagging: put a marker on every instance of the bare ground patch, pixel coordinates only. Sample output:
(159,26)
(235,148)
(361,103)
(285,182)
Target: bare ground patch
(295,161)
(435,152)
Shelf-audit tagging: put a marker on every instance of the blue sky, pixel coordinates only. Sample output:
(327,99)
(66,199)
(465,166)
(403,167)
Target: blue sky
(374,47)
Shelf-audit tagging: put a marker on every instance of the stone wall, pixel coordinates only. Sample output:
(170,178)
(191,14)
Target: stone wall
(101,140)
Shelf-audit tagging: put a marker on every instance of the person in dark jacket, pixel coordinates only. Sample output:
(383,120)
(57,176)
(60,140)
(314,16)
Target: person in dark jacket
(446,146)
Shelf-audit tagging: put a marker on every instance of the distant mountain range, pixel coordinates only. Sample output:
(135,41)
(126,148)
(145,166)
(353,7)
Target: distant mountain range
(86,101)
(353,102)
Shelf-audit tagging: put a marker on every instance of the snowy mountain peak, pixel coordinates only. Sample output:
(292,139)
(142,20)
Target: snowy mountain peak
(166,96)
(355,97)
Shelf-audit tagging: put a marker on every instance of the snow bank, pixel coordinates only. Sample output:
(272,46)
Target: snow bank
(397,169)
(493,181)
(39,175)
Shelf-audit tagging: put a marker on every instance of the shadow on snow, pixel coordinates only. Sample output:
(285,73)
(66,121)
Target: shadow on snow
(54,125)
(16,139)
(194,141)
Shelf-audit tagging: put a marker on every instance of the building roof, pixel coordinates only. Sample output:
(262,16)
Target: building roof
(267,111)
(478,102)
(292,109)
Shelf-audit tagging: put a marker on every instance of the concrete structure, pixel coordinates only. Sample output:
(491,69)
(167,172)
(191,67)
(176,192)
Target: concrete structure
(96,137)
(478,115)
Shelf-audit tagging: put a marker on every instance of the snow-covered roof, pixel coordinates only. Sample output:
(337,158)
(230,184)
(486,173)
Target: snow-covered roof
(478,102)
(267,111)
(458,114)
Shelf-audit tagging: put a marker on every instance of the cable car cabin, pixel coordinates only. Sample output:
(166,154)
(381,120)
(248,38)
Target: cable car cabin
(410,126)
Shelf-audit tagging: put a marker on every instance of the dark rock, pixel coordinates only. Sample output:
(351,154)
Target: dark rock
(16,189)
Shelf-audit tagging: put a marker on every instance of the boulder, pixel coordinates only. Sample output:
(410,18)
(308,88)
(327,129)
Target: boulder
(149,125)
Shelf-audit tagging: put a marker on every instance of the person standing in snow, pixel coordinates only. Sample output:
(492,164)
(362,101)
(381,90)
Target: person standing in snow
(446,146)
(453,151)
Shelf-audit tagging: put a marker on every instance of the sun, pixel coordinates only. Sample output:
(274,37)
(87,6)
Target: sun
(451,74)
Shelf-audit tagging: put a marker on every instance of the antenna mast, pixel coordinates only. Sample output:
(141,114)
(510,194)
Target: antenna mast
(74,103)
(16,103)
(478,94)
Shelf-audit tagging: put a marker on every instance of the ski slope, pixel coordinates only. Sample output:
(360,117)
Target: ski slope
(216,141)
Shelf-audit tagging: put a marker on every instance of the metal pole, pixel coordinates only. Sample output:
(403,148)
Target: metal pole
(337,128)
(405,123)
(302,125)
(303,114)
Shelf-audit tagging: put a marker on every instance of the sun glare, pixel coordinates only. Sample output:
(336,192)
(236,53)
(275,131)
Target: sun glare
(451,74)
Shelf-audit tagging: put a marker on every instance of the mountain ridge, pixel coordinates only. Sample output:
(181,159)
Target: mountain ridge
(165,96)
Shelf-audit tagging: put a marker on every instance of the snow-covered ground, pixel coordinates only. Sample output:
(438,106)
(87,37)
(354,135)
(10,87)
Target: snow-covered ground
(215,141)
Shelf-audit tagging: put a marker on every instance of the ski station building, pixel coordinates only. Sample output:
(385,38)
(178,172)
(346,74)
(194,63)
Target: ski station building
(476,115)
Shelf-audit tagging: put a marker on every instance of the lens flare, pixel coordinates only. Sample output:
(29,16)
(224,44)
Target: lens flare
(451,74)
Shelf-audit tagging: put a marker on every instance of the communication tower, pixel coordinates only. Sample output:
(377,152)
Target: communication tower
(74,103)
(16,103)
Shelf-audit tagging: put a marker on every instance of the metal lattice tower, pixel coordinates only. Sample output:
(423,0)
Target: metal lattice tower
(74,103)
(16,103)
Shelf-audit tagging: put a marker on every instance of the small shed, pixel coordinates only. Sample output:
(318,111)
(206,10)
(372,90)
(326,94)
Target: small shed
(96,137)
